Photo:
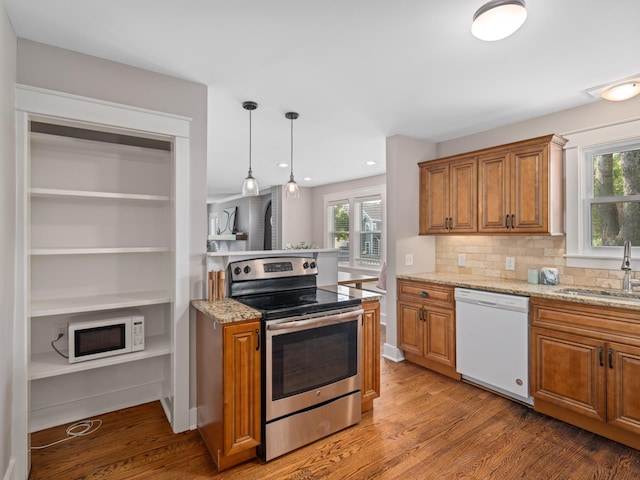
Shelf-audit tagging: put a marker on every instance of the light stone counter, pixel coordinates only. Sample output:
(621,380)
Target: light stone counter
(229,310)
(226,310)
(519,287)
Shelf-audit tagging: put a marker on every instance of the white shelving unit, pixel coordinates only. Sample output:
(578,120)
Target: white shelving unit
(104,200)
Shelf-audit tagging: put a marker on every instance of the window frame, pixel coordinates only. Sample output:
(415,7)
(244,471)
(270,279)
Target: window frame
(580,148)
(352,197)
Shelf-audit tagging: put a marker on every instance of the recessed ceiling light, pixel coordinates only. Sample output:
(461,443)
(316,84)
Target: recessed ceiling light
(498,19)
(307,179)
(370,162)
(283,165)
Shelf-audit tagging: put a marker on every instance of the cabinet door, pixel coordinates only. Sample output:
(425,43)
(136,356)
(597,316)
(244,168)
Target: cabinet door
(493,192)
(440,335)
(241,387)
(463,212)
(529,205)
(410,327)
(623,386)
(568,371)
(371,351)
(434,198)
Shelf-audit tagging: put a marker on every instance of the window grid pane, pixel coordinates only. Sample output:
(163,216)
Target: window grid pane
(338,223)
(369,232)
(614,207)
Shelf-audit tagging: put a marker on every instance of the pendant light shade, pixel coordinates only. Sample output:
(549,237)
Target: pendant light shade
(498,19)
(250,185)
(292,189)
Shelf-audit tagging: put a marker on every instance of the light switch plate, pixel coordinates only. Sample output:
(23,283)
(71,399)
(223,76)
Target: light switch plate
(408,259)
(461,260)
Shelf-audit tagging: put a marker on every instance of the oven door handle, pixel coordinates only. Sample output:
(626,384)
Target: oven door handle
(317,321)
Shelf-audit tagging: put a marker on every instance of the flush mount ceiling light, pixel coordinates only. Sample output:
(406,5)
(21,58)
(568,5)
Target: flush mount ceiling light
(250,185)
(498,19)
(292,189)
(622,91)
(370,162)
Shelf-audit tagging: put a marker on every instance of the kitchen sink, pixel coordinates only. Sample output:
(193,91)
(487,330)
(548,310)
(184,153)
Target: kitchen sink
(601,293)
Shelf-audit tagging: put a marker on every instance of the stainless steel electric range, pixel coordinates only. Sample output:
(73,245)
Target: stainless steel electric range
(310,351)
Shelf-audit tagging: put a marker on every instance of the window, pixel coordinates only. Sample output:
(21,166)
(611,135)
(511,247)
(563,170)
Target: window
(602,195)
(354,225)
(613,200)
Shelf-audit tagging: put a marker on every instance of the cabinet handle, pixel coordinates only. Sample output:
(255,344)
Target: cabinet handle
(600,356)
(449,223)
(610,355)
(513,221)
(506,221)
(423,293)
(258,334)
(424,315)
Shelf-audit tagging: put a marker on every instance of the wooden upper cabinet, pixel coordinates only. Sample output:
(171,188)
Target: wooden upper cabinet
(448,195)
(510,189)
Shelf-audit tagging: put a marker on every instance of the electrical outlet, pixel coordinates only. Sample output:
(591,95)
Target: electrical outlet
(461,260)
(510,263)
(61,329)
(408,259)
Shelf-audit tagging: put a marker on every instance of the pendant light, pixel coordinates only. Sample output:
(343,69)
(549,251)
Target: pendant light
(250,185)
(498,19)
(292,189)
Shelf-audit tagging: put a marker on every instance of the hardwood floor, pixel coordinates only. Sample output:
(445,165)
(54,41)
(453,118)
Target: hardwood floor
(424,426)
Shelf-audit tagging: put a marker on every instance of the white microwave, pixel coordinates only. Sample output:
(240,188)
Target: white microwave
(98,337)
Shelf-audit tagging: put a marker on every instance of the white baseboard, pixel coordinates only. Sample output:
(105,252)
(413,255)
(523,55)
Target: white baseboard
(392,353)
(193,418)
(8,474)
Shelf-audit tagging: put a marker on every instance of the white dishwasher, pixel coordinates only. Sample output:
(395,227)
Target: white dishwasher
(492,341)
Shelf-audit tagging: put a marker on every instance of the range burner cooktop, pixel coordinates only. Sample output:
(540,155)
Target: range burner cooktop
(298,302)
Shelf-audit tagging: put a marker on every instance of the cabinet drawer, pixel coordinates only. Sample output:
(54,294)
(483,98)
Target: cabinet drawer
(604,322)
(423,292)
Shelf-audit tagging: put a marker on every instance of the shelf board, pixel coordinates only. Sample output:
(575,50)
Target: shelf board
(59,306)
(230,237)
(96,250)
(51,364)
(56,192)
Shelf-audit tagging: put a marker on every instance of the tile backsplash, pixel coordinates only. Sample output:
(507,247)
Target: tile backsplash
(486,256)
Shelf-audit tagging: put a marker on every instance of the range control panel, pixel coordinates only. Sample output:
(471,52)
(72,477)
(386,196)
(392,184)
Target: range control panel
(276,267)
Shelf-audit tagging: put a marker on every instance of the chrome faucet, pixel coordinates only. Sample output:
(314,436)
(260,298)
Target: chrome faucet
(627,282)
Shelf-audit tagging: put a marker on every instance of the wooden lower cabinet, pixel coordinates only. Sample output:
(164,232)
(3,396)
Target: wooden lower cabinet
(370,354)
(228,388)
(426,325)
(585,367)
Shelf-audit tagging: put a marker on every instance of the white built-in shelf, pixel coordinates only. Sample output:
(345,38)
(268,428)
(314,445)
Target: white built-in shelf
(55,192)
(59,306)
(51,364)
(96,250)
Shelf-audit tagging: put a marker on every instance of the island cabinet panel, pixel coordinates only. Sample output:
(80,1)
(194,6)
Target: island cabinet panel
(228,388)
(426,325)
(514,189)
(585,366)
(370,354)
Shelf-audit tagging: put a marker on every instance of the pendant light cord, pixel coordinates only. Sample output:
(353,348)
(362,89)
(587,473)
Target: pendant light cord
(292,146)
(249,142)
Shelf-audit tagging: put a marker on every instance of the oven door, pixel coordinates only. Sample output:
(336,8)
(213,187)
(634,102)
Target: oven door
(311,360)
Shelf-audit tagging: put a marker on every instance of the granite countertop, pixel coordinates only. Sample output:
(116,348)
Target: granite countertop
(520,287)
(228,310)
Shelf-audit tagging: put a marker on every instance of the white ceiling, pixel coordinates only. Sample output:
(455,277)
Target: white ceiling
(357,71)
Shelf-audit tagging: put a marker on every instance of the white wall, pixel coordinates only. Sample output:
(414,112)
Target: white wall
(585,117)
(7,234)
(297,221)
(403,154)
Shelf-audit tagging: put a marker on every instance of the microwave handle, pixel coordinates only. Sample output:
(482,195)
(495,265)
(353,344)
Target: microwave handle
(317,321)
